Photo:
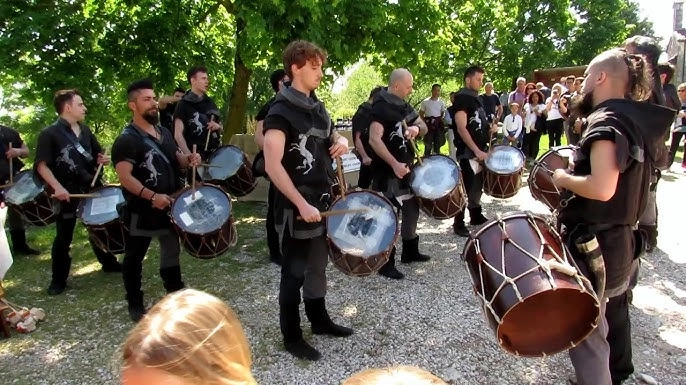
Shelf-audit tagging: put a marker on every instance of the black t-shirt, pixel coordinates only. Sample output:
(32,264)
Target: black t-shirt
(490,103)
(7,136)
(391,115)
(477,123)
(72,160)
(361,122)
(307,161)
(196,112)
(167,117)
(150,167)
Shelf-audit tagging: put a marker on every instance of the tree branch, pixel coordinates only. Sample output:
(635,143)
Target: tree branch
(228,5)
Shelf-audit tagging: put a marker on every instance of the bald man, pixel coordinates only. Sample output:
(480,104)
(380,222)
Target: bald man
(607,188)
(390,142)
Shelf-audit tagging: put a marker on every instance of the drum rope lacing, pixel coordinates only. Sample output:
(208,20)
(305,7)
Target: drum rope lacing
(563,201)
(558,263)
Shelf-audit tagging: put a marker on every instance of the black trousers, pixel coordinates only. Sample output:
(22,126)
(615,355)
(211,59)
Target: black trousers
(473,184)
(555,128)
(304,266)
(366,174)
(61,260)
(433,141)
(272,234)
(132,265)
(619,337)
(532,143)
(674,145)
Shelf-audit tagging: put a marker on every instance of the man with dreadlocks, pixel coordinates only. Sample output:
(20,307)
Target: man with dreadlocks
(609,181)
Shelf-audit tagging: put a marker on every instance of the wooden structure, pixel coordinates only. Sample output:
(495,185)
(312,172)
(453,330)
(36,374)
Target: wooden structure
(550,76)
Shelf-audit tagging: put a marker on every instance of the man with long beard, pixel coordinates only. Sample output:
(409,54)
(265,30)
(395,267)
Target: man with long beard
(607,188)
(150,167)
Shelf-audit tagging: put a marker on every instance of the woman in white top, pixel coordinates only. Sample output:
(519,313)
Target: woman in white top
(556,108)
(535,122)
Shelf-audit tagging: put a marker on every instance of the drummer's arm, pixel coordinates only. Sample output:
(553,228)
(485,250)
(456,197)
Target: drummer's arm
(48,177)
(135,187)
(178,136)
(186,160)
(601,183)
(423,129)
(375,134)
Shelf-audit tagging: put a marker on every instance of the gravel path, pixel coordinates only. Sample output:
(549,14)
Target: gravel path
(430,319)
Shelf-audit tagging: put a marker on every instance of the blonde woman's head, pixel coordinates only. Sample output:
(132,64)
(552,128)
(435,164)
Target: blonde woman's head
(397,375)
(189,337)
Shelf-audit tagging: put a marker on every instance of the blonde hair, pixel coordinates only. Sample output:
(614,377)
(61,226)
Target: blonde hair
(194,336)
(397,375)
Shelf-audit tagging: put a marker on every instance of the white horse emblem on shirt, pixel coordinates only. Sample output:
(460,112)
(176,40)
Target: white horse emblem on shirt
(197,123)
(308,159)
(398,133)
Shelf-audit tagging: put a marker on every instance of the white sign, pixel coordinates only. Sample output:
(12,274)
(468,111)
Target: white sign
(350,163)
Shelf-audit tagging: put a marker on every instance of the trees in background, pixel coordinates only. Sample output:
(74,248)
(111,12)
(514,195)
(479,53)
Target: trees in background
(99,46)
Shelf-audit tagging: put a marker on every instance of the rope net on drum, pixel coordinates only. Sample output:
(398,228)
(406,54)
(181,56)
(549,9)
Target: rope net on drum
(558,263)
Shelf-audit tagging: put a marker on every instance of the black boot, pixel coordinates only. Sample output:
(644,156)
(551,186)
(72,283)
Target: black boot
(476,218)
(136,306)
(458,226)
(411,252)
(289,320)
(389,270)
(651,236)
(60,273)
(320,320)
(19,245)
(171,278)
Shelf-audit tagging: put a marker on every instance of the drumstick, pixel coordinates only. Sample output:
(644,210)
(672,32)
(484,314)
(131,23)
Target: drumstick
(414,145)
(195,147)
(330,213)
(209,165)
(341,180)
(80,195)
(207,141)
(11,168)
(6,185)
(95,177)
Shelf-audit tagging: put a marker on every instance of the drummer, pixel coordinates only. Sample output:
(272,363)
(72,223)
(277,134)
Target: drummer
(299,144)
(150,168)
(197,116)
(390,142)
(14,221)
(471,143)
(67,157)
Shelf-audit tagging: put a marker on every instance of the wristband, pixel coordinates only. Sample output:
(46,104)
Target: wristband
(152,198)
(141,192)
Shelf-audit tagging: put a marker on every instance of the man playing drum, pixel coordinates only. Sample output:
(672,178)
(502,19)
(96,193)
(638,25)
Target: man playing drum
(150,168)
(394,124)
(610,180)
(9,136)
(67,157)
(197,116)
(471,143)
(299,144)
(361,121)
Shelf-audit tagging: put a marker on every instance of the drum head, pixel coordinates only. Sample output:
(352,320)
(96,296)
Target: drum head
(225,163)
(366,233)
(26,187)
(208,212)
(103,208)
(435,178)
(505,160)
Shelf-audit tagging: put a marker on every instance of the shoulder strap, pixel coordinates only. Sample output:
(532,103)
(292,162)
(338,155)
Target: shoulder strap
(74,141)
(129,130)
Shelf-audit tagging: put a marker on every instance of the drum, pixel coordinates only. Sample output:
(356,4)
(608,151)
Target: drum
(503,171)
(204,223)
(530,290)
(362,241)
(541,177)
(437,183)
(29,197)
(229,168)
(100,217)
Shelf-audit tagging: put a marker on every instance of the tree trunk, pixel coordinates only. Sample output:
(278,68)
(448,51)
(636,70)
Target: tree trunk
(238,99)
